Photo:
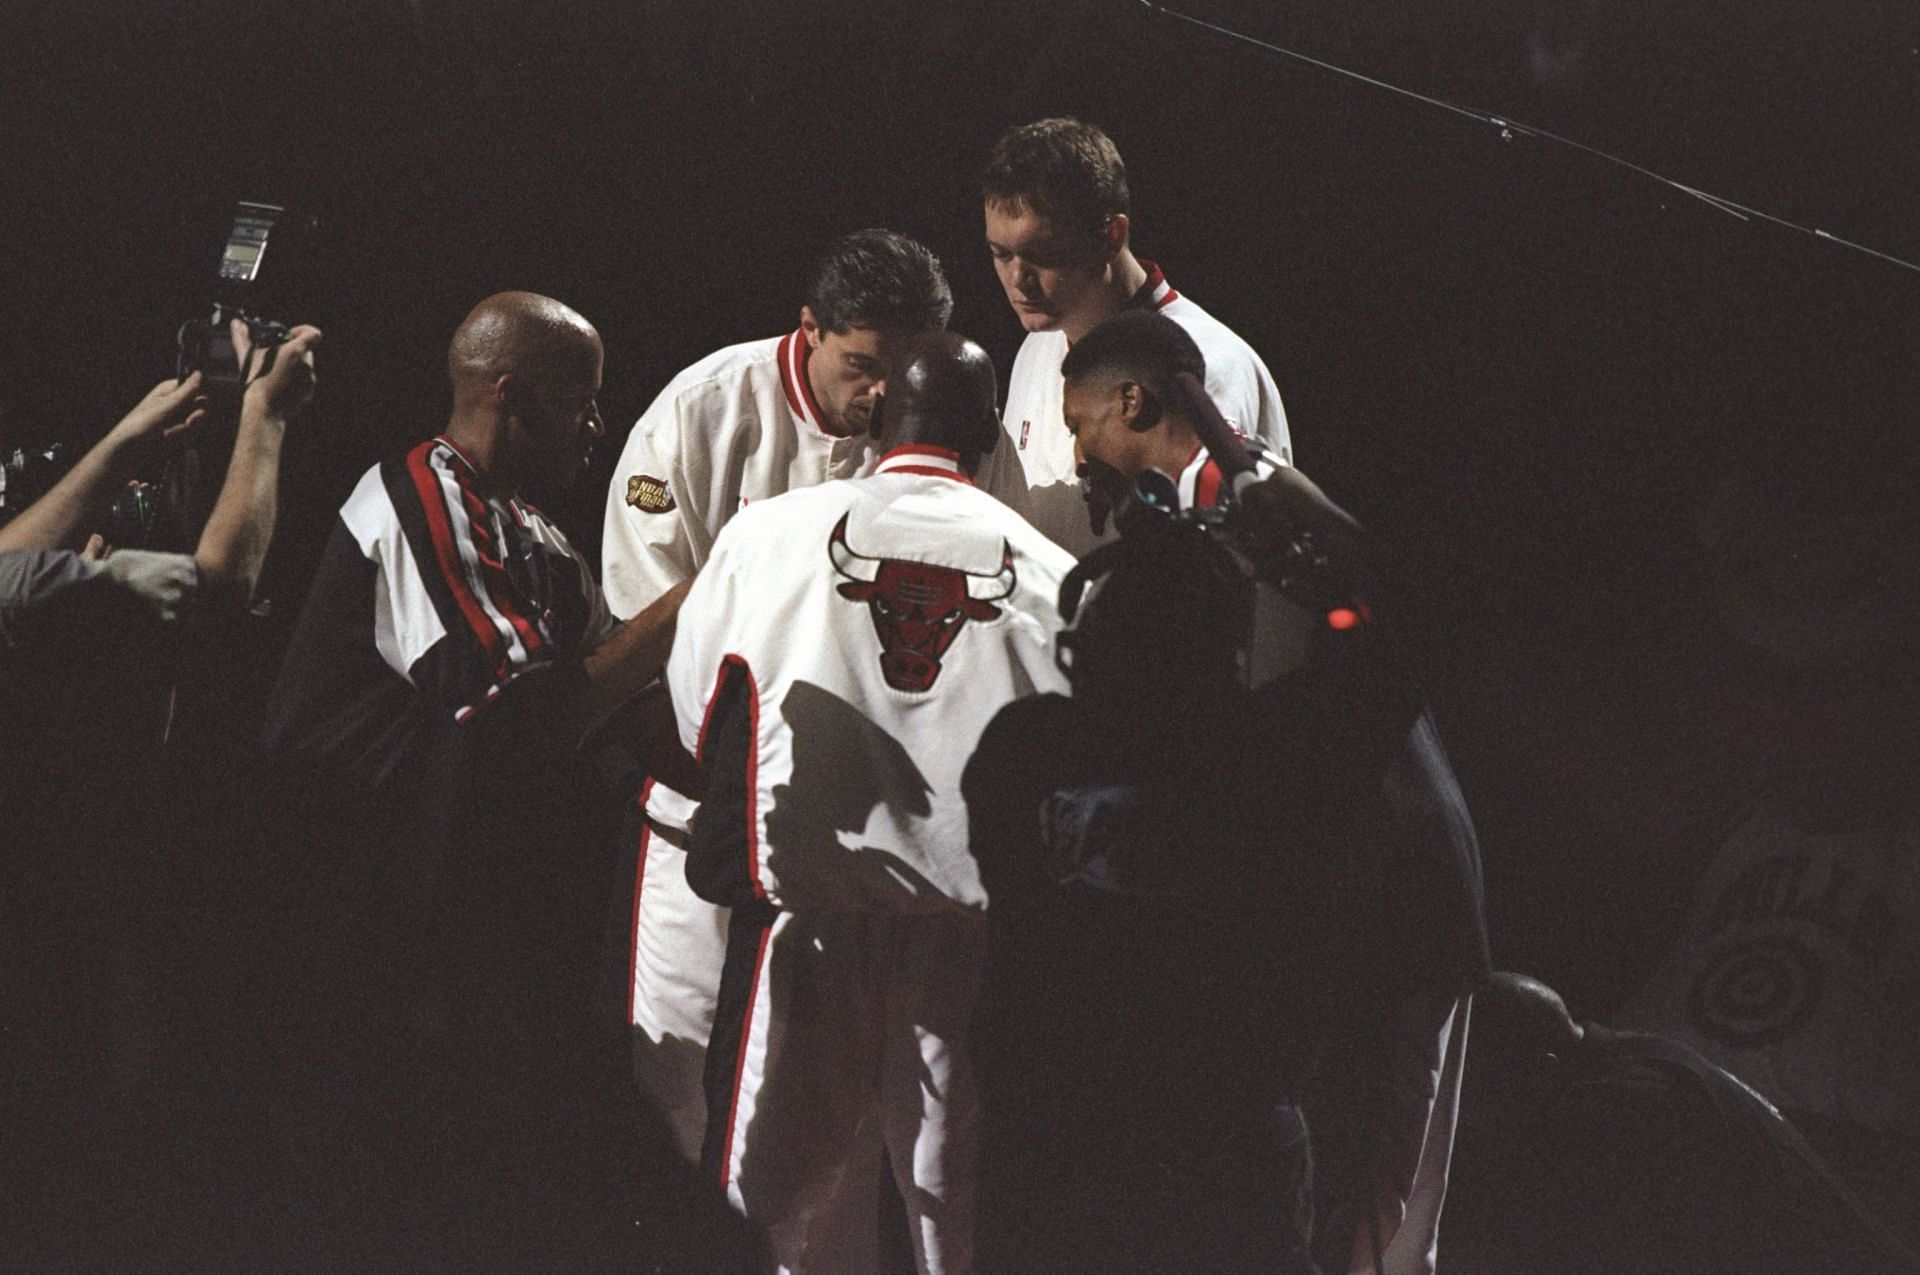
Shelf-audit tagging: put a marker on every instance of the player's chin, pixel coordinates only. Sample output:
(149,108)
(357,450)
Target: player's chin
(1035,318)
(562,476)
(1097,478)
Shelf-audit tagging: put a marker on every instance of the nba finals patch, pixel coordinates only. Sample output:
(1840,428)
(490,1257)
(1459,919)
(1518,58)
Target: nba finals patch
(649,495)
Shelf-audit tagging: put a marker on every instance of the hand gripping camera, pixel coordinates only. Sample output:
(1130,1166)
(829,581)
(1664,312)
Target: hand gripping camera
(171,512)
(206,345)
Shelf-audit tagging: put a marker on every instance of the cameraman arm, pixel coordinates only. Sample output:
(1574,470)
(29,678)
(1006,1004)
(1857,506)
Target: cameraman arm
(1287,501)
(233,545)
(61,518)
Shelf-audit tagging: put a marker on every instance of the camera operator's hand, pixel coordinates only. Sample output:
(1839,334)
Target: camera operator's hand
(233,544)
(169,413)
(163,582)
(280,379)
(1287,502)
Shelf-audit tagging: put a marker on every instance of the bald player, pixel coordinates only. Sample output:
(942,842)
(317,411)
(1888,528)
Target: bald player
(840,654)
(468,587)
(452,653)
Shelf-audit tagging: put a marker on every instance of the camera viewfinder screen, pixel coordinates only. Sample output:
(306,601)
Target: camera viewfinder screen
(248,242)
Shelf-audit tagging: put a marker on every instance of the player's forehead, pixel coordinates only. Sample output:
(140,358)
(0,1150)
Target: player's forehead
(579,377)
(1015,225)
(1081,396)
(868,341)
(577,362)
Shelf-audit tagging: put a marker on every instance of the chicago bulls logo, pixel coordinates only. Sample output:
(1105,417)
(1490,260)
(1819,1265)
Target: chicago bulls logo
(917,608)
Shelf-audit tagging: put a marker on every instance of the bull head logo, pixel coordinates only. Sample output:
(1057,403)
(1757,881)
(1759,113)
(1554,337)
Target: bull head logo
(917,608)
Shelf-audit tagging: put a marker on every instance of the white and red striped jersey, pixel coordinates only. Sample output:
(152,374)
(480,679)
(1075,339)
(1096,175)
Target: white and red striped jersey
(1043,485)
(433,596)
(738,427)
(835,665)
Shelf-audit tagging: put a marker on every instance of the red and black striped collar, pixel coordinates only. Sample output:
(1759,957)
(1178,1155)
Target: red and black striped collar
(1156,293)
(454,447)
(1199,482)
(923,459)
(477,478)
(1202,485)
(794,353)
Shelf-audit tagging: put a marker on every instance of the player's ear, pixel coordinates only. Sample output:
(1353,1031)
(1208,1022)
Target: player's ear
(1140,407)
(1116,236)
(810,325)
(509,391)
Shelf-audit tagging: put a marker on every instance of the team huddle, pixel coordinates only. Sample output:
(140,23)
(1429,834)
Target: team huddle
(830,560)
(959,618)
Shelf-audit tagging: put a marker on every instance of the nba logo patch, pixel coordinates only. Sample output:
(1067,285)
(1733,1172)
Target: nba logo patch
(1026,427)
(649,494)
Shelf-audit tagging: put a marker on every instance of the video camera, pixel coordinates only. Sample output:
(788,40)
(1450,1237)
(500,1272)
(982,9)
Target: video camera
(1203,598)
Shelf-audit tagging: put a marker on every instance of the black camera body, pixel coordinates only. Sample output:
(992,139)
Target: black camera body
(206,345)
(169,511)
(173,510)
(1192,598)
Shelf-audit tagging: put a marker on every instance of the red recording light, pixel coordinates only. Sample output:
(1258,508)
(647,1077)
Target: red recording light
(1342,618)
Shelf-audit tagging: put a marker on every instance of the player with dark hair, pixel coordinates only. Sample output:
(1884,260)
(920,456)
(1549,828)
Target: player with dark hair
(1138,343)
(1126,414)
(833,825)
(1058,225)
(1064,170)
(879,280)
(742,425)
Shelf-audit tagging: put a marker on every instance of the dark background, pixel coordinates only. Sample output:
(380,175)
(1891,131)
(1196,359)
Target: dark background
(1581,404)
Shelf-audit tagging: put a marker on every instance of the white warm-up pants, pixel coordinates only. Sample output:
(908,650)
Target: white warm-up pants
(679,945)
(837,1034)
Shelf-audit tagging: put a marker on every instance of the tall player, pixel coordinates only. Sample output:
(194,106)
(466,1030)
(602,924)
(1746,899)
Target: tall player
(1057,226)
(743,424)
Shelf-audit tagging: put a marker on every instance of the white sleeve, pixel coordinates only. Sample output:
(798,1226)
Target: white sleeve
(1244,391)
(649,542)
